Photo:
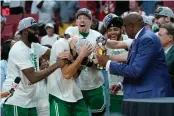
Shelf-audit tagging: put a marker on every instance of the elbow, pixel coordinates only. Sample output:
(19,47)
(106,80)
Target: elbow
(136,73)
(67,76)
(32,81)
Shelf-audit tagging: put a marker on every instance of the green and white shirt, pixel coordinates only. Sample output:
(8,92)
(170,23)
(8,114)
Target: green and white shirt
(115,79)
(90,77)
(58,86)
(22,57)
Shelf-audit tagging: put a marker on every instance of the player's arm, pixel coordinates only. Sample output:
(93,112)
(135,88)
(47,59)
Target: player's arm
(116,44)
(120,57)
(34,77)
(70,70)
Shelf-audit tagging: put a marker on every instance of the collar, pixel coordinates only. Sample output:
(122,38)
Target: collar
(84,34)
(136,36)
(166,51)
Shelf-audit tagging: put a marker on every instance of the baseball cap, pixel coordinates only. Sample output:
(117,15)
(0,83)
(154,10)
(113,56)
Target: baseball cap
(26,23)
(164,11)
(147,20)
(49,25)
(112,20)
(84,11)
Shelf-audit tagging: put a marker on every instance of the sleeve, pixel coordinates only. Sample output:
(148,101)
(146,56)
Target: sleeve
(143,58)
(22,61)
(57,48)
(2,73)
(40,50)
(128,42)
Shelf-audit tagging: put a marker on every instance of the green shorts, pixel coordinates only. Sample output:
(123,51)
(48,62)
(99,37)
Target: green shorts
(11,110)
(116,103)
(62,108)
(95,99)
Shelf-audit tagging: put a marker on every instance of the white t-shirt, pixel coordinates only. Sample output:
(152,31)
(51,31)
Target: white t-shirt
(22,57)
(90,77)
(49,40)
(115,79)
(128,42)
(64,89)
(46,12)
(34,9)
(14,4)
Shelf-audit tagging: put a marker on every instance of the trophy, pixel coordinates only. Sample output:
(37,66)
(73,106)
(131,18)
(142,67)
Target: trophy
(101,41)
(87,61)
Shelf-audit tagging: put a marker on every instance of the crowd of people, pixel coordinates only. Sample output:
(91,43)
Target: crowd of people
(59,72)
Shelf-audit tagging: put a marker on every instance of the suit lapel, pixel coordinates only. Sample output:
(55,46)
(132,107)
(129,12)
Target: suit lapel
(134,44)
(170,53)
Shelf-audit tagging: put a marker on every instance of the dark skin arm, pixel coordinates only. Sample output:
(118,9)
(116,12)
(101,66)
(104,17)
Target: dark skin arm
(34,77)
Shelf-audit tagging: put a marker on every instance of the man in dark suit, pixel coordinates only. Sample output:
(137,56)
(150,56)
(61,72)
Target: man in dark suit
(145,73)
(166,35)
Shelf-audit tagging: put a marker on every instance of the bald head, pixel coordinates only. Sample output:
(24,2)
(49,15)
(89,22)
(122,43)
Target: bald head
(135,19)
(133,23)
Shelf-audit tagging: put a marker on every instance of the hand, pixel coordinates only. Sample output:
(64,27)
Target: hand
(66,55)
(115,88)
(61,62)
(85,50)
(4,94)
(101,39)
(102,60)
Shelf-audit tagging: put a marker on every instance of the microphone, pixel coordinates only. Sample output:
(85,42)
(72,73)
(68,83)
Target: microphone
(15,85)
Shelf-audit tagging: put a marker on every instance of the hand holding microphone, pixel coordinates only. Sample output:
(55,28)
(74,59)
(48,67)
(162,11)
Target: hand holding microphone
(15,85)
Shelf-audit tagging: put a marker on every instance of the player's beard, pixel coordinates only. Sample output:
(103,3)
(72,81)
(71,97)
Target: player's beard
(32,38)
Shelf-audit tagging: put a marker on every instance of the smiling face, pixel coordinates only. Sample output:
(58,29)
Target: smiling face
(114,33)
(160,20)
(83,23)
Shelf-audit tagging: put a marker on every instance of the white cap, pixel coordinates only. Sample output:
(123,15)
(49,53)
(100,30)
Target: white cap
(49,25)
(147,20)
(164,11)
(27,22)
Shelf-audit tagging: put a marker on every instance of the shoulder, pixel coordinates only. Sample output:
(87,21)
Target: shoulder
(18,47)
(44,37)
(55,35)
(61,43)
(95,33)
(71,29)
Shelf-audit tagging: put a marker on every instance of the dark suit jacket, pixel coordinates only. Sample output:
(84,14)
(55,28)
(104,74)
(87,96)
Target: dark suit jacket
(145,73)
(170,64)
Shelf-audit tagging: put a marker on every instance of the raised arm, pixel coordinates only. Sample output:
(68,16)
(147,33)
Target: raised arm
(70,70)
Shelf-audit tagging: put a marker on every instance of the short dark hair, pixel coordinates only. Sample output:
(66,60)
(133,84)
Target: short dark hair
(5,49)
(169,27)
(160,3)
